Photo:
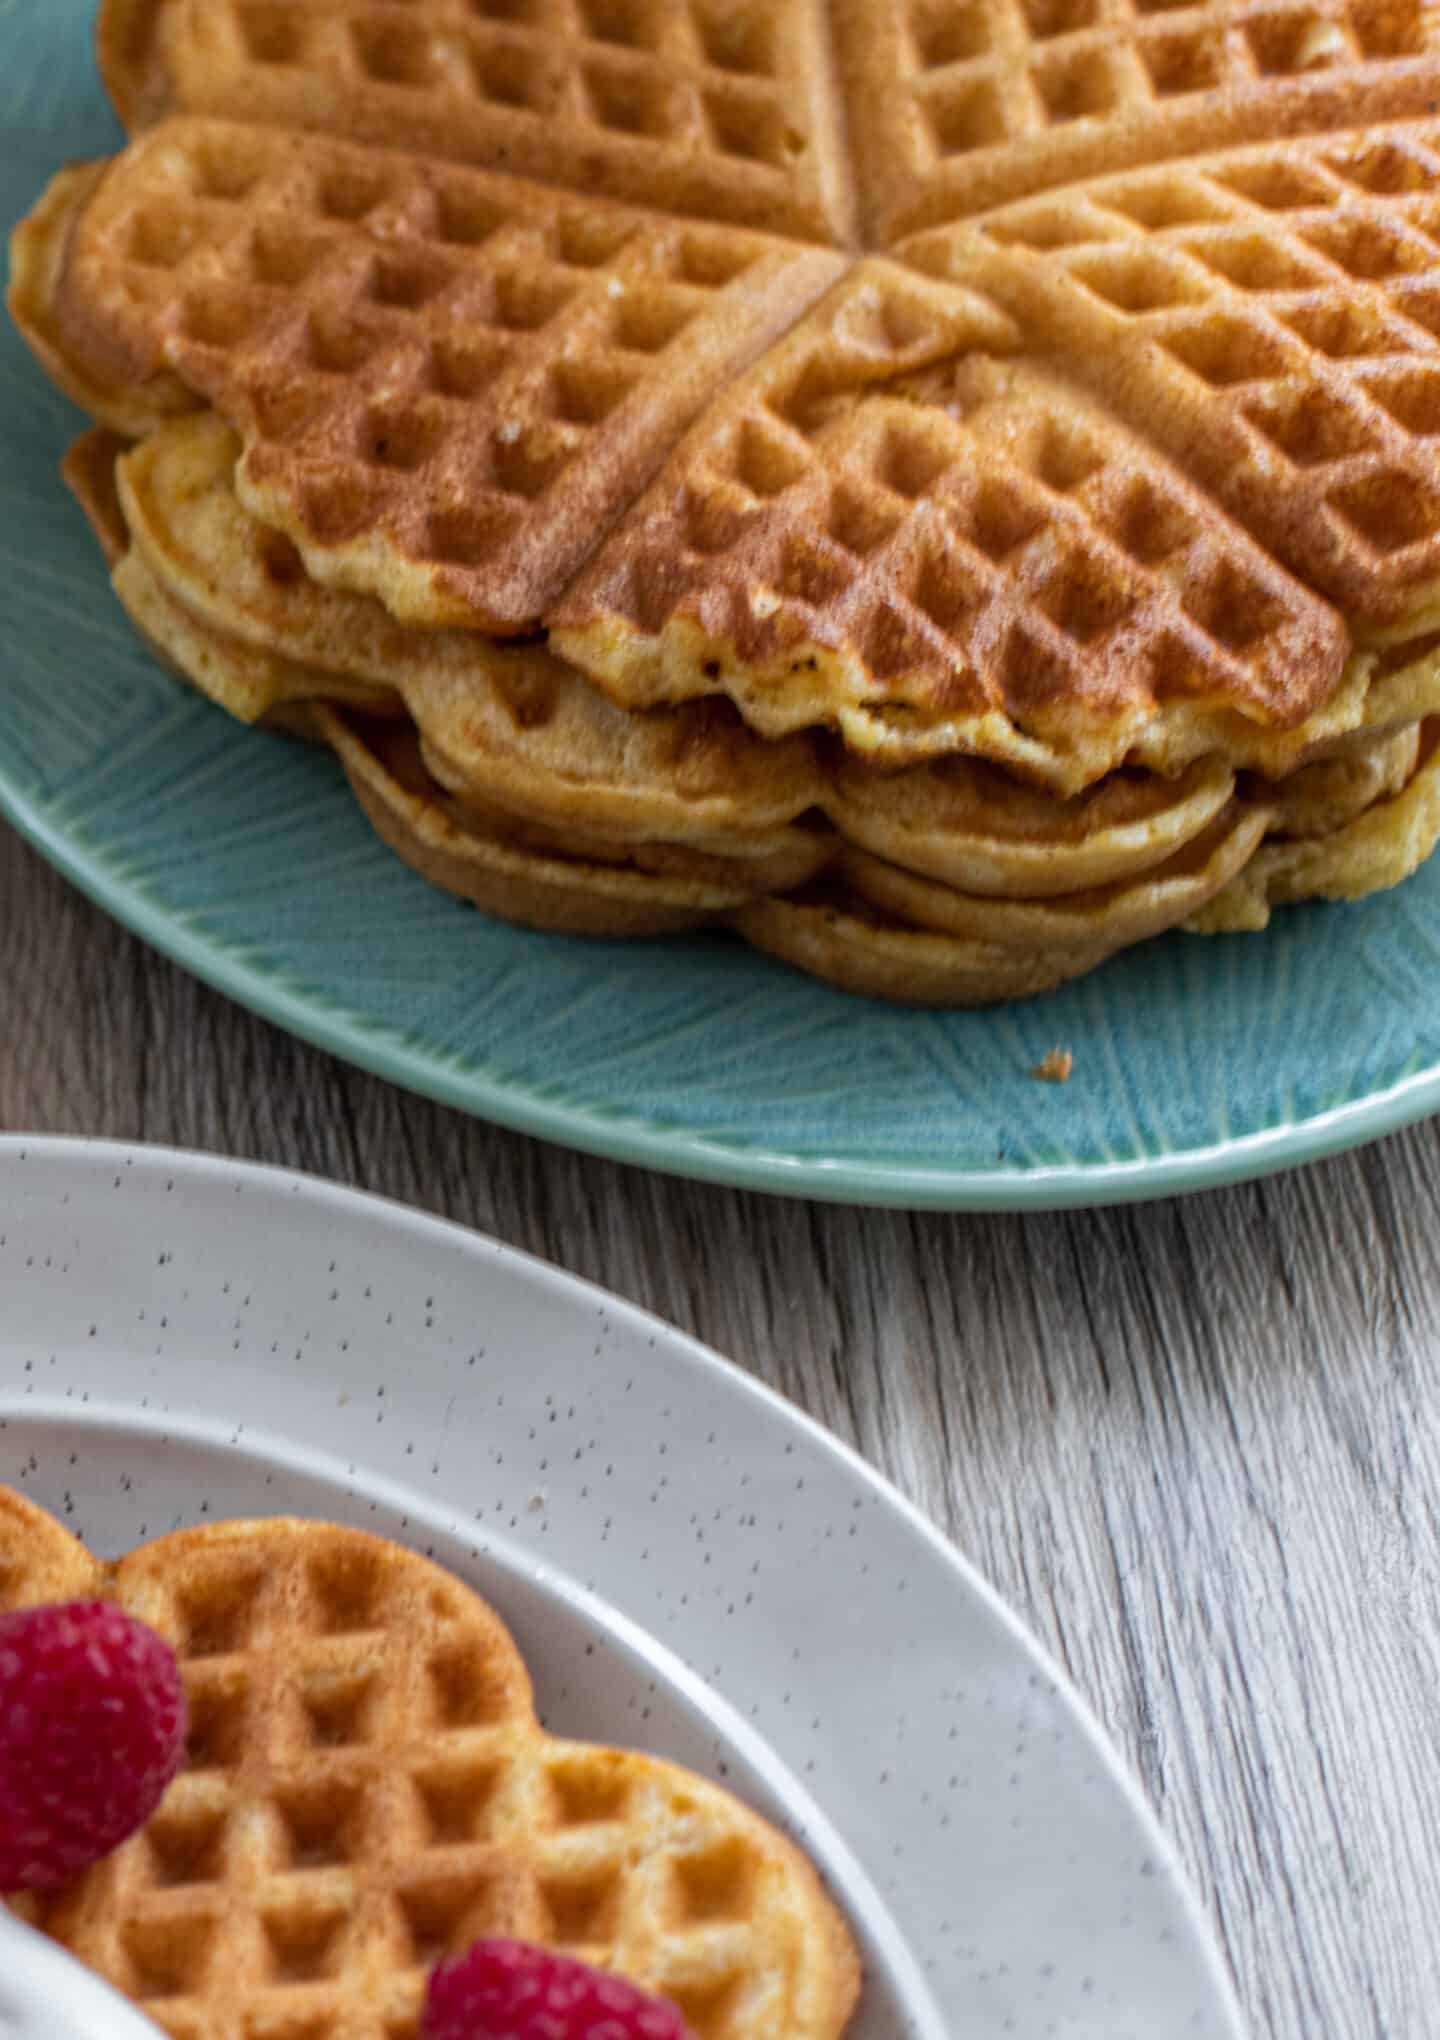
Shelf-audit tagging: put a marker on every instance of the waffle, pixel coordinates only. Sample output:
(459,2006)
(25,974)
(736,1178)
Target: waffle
(1321,798)
(1375,849)
(449,382)
(88,470)
(943,487)
(1025,889)
(717,108)
(367,1789)
(39,1559)
(562,882)
(646,890)
(942,555)
(509,726)
(1114,916)
(977,829)
(958,105)
(512,734)
(37,256)
(977,952)
(1270,316)
(828,932)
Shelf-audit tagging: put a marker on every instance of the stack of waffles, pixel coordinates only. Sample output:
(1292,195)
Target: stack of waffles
(946,488)
(367,1790)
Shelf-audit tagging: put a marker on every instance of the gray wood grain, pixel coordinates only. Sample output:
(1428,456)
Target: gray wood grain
(1196,1445)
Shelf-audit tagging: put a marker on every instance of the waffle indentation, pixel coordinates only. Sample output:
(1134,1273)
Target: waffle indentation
(444,1912)
(584,1910)
(303,1942)
(339,1706)
(391,52)
(459,1799)
(715,1884)
(273,33)
(217,1614)
(464,1689)
(165,1959)
(321,1824)
(218,1721)
(1388,511)
(185,1844)
(968,116)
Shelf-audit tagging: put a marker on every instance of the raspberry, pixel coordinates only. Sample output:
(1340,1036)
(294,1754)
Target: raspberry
(505,1990)
(92,1730)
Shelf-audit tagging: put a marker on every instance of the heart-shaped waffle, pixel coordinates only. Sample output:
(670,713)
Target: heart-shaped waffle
(1046,389)
(367,1788)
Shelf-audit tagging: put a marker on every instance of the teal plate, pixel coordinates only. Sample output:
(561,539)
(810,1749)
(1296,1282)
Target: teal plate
(243,858)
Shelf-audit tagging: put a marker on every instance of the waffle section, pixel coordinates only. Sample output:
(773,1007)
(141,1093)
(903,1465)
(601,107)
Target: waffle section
(718,109)
(367,1788)
(856,935)
(970,886)
(37,258)
(1270,316)
(542,755)
(892,527)
(39,1559)
(450,382)
(874,928)
(891,624)
(959,105)
(509,725)
(548,880)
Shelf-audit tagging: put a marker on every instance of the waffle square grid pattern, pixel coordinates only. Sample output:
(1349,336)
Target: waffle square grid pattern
(1045,382)
(959,106)
(478,375)
(440,318)
(1276,313)
(976,507)
(726,100)
(366,1789)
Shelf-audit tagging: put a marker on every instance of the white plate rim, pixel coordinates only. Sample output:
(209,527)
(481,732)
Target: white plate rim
(83,1157)
(845,1875)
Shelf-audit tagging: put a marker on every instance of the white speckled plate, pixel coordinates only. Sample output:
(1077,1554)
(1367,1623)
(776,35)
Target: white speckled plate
(689,1564)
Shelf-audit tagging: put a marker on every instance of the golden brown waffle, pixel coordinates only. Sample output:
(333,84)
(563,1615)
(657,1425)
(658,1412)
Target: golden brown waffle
(1113,916)
(1271,317)
(37,258)
(39,1559)
(451,383)
(999,588)
(981,830)
(1375,849)
(511,726)
(88,469)
(367,1789)
(566,882)
(718,108)
(829,933)
(1031,888)
(871,946)
(1319,799)
(974,560)
(517,873)
(956,105)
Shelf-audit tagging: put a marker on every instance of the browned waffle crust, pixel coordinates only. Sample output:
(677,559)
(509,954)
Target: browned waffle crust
(927,431)
(366,1788)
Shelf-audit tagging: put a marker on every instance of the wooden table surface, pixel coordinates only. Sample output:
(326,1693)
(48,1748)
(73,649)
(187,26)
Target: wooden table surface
(1195,1444)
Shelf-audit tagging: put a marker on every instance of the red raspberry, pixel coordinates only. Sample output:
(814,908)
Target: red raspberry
(505,1990)
(92,1730)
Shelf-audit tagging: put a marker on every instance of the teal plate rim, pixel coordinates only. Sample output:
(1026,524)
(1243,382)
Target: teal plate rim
(674,1149)
(1192,1071)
